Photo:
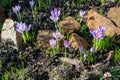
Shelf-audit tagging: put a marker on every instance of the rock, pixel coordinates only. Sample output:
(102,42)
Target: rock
(43,38)
(107,76)
(9,32)
(2,14)
(95,20)
(114,15)
(69,25)
(77,41)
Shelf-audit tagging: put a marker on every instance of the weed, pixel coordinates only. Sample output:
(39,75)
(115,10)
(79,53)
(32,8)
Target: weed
(116,55)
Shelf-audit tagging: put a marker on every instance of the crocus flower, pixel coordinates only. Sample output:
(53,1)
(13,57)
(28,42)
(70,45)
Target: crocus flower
(20,27)
(82,13)
(16,9)
(66,43)
(55,15)
(80,48)
(28,29)
(99,33)
(52,42)
(101,28)
(85,55)
(92,49)
(31,3)
(57,34)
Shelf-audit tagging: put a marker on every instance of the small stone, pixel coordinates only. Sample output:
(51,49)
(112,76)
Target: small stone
(95,20)
(77,41)
(9,32)
(69,25)
(107,76)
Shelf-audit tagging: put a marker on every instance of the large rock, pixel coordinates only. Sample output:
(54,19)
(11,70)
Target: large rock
(114,15)
(69,25)
(43,38)
(9,32)
(95,20)
(77,41)
(2,14)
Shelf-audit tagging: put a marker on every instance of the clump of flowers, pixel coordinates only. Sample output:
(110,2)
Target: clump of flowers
(24,30)
(54,42)
(86,55)
(16,10)
(99,33)
(99,41)
(55,16)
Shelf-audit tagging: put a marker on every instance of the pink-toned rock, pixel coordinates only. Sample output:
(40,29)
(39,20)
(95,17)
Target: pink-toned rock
(2,14)
(69,25)
(95,20)
(114,15)
(9,32)
(77,41)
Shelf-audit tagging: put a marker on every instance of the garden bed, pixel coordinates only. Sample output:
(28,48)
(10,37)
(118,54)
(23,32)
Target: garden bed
(60,40)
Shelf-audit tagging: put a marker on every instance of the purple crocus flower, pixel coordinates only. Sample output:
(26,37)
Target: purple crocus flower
(101,28)
(99,33)
(66,43)
(52,42)
(20,27)
(31,3)
(16,9)
(57,34)
(55,14)
(92,49)
(80,48)
(85,55)
(82,13)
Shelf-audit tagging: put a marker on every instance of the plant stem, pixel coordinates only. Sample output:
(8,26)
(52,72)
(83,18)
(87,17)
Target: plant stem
(65,52)
(23,36)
